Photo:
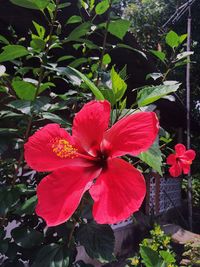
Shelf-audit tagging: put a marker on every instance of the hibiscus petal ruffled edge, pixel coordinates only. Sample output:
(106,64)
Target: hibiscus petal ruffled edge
(60,193)
(180,149)
(89,125)
(118,192)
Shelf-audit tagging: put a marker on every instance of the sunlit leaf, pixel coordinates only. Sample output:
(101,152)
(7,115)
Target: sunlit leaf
(106,59)
(40,29)
(102,7)
(150,257)
(11,52)
(97,93)
(184,55)
(118,85)
(119,27)
(167,256)
(150,94)
(32,4)
(24,90)
(155,76)
(172,39)
(152,157)
(74,19)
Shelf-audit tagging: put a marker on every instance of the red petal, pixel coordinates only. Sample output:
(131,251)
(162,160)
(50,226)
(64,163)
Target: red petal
(171,159)
(131,135)
(38,150)
(180,149)
(59,193)
(89,125)
(190,154)
(175,170)
(118,192)
(185,167)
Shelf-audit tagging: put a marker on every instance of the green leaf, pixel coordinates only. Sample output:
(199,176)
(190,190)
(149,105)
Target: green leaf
(150,257)
(84,4)
(11,52)
(108,95)
(106,59)
(182,38)
(4,246)
(79,31)
(24,106)
(7,131)
(38,44)
(118,85)
(74,19)
(133,49)
(53,117)
(31,4)
(8,198)
(40,30)
(91,4)
(119,28)
(184,55)
(27,207)
(150,94)
(27,237)
(102,7)
(3,40)
(45,86)
(155,76)
(54,255)
(65,58)
(2,70)
(24,90)
(98,241)
(77,62)
(63,5)
(181,63)
(152,157)
(172,39)
(97,93)
(159,54)
(167,256)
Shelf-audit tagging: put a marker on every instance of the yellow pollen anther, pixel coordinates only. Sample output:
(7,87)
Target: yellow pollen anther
(63,149)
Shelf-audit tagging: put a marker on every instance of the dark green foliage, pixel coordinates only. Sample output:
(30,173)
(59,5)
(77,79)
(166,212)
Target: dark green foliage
(98,241)
(53,255)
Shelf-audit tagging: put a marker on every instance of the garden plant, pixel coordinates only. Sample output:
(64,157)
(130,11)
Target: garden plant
(72,153)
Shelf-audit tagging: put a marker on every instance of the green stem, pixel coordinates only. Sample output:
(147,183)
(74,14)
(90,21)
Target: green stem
(104,43)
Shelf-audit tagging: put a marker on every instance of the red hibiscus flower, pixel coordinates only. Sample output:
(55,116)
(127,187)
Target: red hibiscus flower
(88,160)
(181,160)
